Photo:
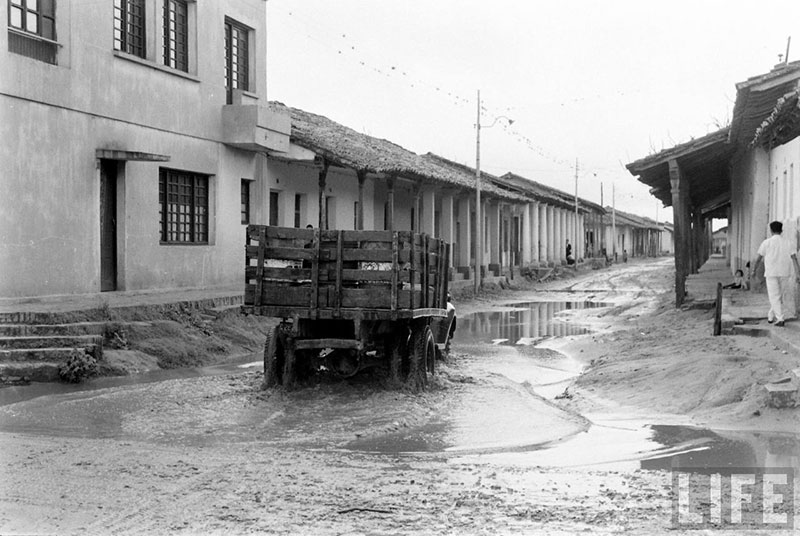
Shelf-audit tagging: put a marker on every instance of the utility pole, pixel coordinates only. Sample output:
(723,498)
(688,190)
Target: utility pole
(478,220)
(614,220)
(577,231)
(602,221)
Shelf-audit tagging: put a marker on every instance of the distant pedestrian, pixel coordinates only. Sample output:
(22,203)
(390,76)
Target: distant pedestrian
(624,255)
(779,257)
(570,260)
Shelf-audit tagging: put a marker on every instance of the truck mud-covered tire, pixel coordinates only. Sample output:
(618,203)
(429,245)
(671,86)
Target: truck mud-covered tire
(397,349)
(421,357)
(275,357)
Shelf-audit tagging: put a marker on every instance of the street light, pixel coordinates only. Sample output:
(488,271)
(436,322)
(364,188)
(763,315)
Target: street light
(478,218)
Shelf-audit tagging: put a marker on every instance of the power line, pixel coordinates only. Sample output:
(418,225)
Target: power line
(344,46)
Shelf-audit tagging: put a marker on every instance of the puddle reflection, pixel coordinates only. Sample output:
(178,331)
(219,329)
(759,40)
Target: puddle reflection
(18,393)
(625,448)
(526,324)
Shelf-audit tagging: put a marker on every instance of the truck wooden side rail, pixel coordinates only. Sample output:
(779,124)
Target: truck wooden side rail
(347,300)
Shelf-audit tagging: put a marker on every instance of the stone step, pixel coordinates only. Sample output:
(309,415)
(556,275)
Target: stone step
(29,330)
(36,355)
(50,341)
(750,331)
(37,372)
(781,395)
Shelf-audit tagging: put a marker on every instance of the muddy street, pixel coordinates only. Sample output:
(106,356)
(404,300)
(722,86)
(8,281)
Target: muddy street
(562,409)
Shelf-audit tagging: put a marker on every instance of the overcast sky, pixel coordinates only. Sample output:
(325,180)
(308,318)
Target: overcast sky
(606,82)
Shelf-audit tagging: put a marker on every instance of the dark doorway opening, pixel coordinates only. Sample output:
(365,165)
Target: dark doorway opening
(108,225)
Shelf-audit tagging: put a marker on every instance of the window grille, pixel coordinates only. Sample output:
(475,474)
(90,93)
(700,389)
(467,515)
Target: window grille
(183,207)
(129,27)
(176,35)
(236,58)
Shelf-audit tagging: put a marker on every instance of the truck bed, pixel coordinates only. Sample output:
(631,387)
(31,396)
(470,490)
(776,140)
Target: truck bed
(311,273)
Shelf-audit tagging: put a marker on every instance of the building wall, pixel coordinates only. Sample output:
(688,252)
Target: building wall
(53,118)
(784,202)
(750,196)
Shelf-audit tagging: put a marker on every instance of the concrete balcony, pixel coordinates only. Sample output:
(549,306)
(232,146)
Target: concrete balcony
(256,128)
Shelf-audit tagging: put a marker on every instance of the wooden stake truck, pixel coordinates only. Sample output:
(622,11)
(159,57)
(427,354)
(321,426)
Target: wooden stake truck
(348,300)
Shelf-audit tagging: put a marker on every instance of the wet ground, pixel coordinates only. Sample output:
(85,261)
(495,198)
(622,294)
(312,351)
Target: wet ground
(489,425)
(204,450)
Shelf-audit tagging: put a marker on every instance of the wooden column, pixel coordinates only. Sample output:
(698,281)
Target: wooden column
(526,235)
(448,222)
(495,230)
(680,218)
(323,211)
(550,234)
(390,204)
(417,193)
(698,231)
(362,177)
(535,232)
(464,232)
(428,216)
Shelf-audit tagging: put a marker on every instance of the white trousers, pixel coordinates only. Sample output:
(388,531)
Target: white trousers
(781,298)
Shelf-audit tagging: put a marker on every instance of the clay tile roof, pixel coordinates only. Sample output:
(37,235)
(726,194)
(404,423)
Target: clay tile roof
(641,222)
(548,194)
(342,146)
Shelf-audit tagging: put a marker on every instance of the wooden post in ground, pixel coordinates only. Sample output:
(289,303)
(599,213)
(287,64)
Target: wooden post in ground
(718,311)
(680,218)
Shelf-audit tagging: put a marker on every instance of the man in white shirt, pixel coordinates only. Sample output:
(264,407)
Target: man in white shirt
(779,256)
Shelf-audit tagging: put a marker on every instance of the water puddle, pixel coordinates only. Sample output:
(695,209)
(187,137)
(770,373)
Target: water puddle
(19,393)
(613,445)
(526,323)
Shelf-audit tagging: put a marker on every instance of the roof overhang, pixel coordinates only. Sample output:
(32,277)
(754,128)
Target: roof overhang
(117,154)
(705,162)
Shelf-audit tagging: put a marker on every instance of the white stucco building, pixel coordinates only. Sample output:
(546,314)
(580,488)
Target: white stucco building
(134,135)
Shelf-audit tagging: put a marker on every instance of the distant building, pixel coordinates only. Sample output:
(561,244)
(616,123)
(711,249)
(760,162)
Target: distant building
(719,241)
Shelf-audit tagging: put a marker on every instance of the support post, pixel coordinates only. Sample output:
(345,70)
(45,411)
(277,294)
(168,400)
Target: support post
(323,207)
(680,215)
(362,177)
(390,204)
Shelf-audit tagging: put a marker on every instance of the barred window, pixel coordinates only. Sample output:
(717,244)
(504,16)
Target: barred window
(176,34)
(236,58)
(129,27)
(183,207)
(37,17)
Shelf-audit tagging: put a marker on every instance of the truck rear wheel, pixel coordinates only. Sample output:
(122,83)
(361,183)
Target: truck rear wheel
(274,357)
(397,349)
(422,357)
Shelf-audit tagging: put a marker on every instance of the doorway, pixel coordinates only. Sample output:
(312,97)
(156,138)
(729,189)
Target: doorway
(108,225)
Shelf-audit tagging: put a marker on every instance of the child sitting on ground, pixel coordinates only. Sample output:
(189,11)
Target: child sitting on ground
(738,280)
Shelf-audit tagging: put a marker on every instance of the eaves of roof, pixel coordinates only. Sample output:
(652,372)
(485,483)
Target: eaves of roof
(344,147)
(541,192)
(756,98)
